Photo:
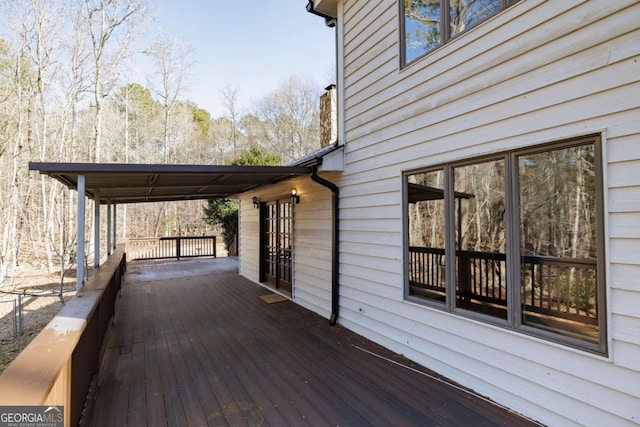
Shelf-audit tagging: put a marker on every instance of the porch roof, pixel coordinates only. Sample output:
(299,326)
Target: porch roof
(134,183)
(421,193)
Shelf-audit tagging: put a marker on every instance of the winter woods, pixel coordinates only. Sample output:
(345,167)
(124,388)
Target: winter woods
(68,94)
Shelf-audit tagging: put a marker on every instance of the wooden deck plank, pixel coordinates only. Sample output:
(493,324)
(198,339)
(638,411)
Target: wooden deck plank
(284,361)
(192,409)
(135,370)
(208,351)
(230,335)
(173,405)
(223,397)
(253,375)
(120,402)
(294,370)
(239,407)
(137,409)
(192,352)
(156,415)
(348,393)
(348,360)
(349,381)
(168,385)
(106,385)
(125,325)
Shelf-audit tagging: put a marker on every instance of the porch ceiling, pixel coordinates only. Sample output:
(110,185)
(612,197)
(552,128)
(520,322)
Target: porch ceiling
(135,183)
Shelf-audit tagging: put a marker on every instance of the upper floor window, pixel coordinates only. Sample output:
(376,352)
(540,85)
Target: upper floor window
(428,24)
(515,239)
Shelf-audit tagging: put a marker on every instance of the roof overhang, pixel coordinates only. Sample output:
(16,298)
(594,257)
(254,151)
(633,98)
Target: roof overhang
(421,193)
(135,183)
(325,8)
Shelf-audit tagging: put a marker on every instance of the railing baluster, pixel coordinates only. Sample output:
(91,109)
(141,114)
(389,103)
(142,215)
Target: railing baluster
(587,292)
(577,288)
(553,277)
(565,296)
(548,286)
(498,268)
(535,286)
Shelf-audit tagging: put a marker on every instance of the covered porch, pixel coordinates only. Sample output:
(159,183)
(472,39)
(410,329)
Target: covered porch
(194,344)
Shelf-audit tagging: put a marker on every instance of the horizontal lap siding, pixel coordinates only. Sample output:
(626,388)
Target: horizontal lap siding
(538,72)
(248,239)
(312,225)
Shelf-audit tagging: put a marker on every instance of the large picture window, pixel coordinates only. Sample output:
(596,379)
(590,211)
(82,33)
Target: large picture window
(514,239)
(427,24)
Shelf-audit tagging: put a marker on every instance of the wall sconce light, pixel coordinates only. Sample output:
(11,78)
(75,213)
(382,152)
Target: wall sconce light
(295,198)
(256,202)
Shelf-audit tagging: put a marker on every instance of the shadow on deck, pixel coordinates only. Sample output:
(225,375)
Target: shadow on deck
(193,344)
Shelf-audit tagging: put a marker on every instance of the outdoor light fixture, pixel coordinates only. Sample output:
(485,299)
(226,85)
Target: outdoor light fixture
(256,202)
(295,198)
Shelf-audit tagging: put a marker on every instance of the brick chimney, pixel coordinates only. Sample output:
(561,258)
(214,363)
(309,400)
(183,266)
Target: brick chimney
(329,116)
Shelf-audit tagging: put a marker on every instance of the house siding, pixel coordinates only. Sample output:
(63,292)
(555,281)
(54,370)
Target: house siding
(535,73)
(312,225)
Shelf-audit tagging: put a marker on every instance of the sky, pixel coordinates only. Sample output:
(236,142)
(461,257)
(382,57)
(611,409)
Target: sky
(250,45)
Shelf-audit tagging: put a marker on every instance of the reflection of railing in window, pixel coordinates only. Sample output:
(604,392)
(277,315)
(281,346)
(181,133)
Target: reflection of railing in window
(427,272)
(482,277)
(563,288)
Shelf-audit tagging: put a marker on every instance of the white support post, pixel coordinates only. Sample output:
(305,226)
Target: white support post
(115,234)
(80,233)
(96,231)
(124,223)
(108,227)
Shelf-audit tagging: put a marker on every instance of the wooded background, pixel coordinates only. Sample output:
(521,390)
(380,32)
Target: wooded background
(66,96)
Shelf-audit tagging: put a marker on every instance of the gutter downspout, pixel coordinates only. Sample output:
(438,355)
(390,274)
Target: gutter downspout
(335,242)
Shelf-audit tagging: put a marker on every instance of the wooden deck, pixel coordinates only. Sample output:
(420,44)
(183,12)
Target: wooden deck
(193,344)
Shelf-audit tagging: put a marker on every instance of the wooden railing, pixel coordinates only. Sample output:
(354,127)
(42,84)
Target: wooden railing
(482,277)
(427,269)
(567,287)
(57,367)
(559,287)
(171,247)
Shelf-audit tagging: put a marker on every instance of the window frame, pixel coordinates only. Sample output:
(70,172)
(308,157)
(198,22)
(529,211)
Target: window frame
(445,27)
(514,319)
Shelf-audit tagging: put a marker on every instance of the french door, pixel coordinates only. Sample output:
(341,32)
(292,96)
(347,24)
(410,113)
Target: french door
(276,219)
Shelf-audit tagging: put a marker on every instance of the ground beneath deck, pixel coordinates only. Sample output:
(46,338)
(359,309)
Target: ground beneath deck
(193,344)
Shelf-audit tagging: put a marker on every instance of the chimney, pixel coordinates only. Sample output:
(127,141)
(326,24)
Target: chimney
(329,116)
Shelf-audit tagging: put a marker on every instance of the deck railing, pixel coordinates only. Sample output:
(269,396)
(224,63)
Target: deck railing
(171,247)
(559,287)
(57,367)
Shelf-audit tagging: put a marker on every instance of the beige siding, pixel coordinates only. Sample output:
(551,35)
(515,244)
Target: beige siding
(311,241)
(538,72)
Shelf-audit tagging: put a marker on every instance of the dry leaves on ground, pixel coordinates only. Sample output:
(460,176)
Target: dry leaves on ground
(41,302)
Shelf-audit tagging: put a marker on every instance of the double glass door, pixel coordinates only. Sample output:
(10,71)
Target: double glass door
(277,253)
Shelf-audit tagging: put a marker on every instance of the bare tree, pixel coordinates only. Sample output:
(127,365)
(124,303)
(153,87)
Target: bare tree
(230,101)
(15,104)
(45,49)
(291,118)
(172,60)
(110,25)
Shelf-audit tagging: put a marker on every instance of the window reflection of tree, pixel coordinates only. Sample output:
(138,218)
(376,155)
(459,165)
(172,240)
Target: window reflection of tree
(430,23)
